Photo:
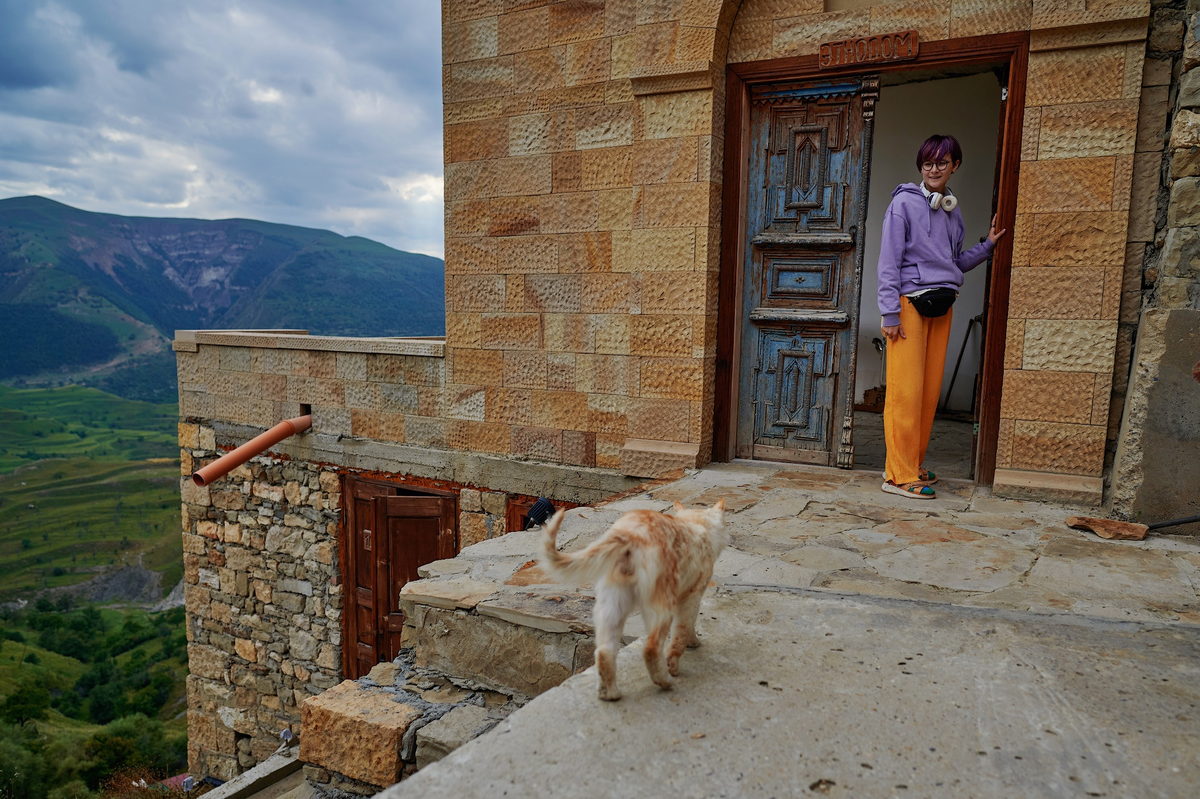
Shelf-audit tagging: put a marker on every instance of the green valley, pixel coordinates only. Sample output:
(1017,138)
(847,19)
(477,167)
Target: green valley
(88,480)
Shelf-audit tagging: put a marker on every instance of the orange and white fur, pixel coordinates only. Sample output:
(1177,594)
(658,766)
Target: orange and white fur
(651,562)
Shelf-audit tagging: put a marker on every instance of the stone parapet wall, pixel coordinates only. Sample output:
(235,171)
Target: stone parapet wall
(384,389)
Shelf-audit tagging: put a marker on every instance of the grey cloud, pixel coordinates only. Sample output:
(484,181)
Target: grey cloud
(35,49)
(304,112)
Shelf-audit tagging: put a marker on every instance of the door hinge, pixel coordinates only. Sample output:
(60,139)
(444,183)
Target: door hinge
(975,429)
(1003,94)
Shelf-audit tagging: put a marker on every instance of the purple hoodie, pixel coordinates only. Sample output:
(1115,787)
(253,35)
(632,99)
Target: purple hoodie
(921,248)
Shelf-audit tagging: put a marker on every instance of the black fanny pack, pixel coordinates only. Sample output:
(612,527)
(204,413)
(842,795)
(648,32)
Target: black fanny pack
(934,302)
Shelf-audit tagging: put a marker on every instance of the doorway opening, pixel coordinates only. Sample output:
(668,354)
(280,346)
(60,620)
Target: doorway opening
(965,103)
(390,531)
(801,207)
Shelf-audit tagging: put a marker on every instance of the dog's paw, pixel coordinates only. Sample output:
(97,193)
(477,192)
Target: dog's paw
(694,643)
(610,694)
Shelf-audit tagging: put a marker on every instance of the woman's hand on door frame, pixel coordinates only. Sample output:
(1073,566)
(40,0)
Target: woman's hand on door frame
(994,235)
(893,332)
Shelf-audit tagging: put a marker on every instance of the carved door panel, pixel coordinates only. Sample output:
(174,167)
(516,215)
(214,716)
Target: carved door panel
(390,532)
(810,146)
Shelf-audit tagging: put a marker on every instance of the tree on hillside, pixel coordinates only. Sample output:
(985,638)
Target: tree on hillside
(29,702)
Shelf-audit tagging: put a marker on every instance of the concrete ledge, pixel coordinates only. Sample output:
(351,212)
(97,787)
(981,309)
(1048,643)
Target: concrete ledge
(642,457)
(581,484)
(259,778)
(189,340)
(1069,488)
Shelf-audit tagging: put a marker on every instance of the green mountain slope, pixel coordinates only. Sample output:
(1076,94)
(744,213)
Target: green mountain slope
(66,273)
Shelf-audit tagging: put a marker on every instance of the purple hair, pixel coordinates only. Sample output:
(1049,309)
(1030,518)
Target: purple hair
(937,147)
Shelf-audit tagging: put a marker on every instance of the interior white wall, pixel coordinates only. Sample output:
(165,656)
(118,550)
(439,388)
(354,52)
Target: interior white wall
(967,108)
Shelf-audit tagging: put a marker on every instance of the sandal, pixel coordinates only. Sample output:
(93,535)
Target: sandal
(917,490)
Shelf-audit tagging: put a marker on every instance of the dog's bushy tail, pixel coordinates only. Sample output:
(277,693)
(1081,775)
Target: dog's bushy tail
(609,556)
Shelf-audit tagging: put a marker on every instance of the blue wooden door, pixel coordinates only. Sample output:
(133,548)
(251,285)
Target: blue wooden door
(810,147)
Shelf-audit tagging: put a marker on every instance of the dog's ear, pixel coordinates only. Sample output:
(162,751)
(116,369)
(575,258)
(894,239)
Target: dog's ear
(679,506)
(720,505)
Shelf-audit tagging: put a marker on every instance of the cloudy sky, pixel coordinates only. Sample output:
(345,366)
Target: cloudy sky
(322,113)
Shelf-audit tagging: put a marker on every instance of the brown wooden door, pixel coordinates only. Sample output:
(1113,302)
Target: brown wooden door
(414,531)
(390,532)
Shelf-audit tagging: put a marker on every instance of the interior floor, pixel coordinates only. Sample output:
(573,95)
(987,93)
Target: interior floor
(949,453)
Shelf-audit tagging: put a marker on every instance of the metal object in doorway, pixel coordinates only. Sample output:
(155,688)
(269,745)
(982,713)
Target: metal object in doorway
(975,320)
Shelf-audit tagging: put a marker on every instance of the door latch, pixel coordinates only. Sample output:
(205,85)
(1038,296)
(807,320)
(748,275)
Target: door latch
(366,539)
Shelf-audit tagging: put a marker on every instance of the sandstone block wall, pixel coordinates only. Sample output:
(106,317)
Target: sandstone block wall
(582,227)
(584,156)
(385,389)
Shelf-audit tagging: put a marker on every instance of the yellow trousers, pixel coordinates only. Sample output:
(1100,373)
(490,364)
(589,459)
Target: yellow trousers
(914,384)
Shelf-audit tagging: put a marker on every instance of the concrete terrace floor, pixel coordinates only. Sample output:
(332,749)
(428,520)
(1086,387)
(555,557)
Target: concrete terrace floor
(863,644)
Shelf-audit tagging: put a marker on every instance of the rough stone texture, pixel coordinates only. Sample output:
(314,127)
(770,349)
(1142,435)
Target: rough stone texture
(441,737)
(1109,528)
(262,586)
(356,732)
(1157,466)
(260,553)
(1155,449)
(492,652)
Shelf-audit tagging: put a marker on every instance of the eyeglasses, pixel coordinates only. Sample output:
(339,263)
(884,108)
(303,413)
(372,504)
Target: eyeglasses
(940,166)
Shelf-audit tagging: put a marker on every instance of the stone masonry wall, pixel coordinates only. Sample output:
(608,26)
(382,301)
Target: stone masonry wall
(263,595)
(354,387)
(1157,460)
(263,601)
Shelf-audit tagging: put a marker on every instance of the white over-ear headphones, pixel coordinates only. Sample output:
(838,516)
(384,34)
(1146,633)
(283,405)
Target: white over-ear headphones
(947,202)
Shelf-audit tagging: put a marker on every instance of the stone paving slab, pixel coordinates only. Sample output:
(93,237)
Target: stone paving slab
(806,694)
(1050,639)
(834,530)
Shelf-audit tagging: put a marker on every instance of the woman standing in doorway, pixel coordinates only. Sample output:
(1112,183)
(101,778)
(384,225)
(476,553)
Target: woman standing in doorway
(921,266)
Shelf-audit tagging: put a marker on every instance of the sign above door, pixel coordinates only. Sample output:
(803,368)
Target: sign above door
(902,46)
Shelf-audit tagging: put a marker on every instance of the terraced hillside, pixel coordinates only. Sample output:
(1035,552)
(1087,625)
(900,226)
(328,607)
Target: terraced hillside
(88,481)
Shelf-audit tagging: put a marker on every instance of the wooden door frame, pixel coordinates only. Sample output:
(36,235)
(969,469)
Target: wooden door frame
(346,557)
(1010,48)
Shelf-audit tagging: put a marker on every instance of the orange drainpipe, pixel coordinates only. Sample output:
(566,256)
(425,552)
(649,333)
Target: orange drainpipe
(255,446)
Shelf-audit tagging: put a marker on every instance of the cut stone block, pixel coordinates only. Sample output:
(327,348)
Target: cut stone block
(551,612)
(1018,484)
(456,592)
(383,673)
(441,737)
(497,654)
(645,458)
(355,732)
